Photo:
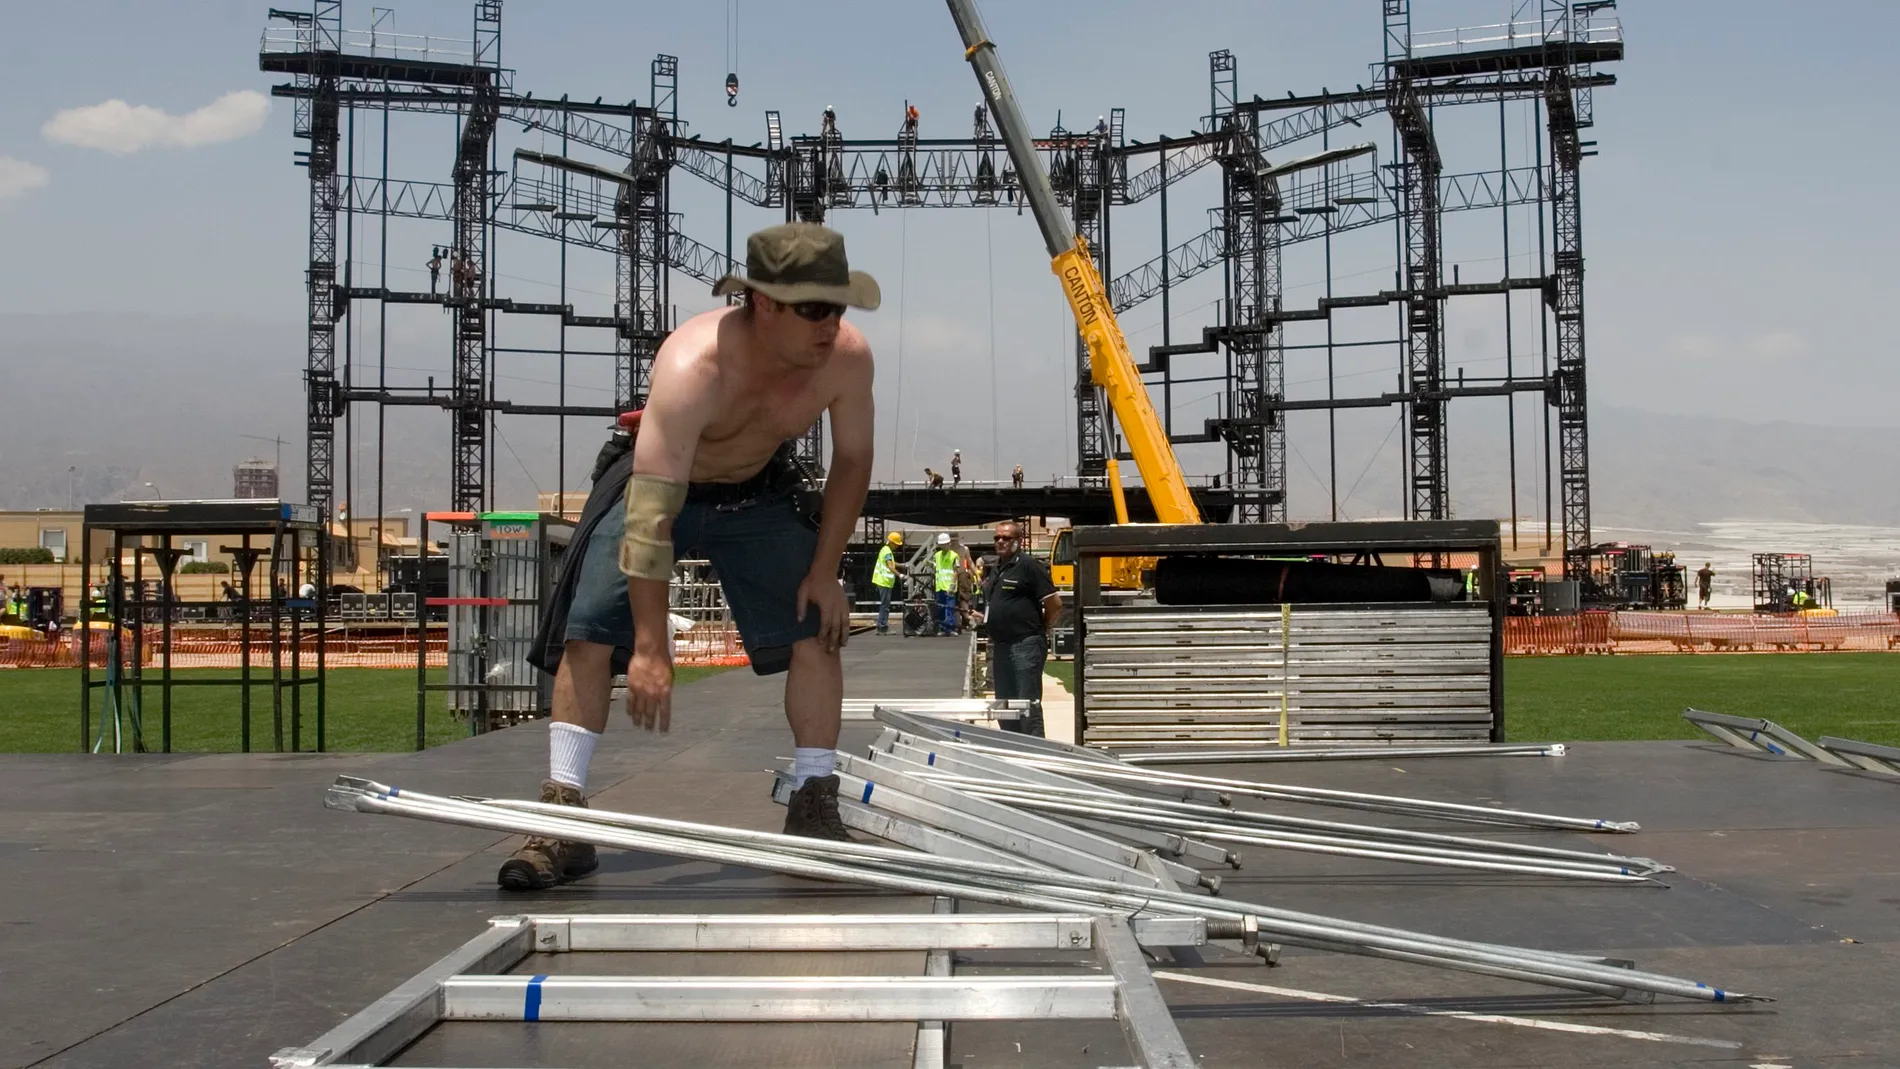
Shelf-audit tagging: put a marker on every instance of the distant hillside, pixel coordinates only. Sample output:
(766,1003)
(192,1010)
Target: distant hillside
(1650,469)
(126,400)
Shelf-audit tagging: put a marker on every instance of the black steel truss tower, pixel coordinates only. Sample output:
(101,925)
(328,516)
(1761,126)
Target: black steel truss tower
(643,217)
(1568,110)
(1251,213)
(1080,172)
(316,118)
(468,268)
(1416,175)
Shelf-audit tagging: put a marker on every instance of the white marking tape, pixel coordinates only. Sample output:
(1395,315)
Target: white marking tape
(1424,1011)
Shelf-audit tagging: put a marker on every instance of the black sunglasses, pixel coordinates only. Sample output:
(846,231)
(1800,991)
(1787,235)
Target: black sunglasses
(816,311)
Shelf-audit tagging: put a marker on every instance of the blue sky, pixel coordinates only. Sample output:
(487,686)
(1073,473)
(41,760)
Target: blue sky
(1730,268)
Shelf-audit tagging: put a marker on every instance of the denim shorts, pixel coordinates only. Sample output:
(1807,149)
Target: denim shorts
(760,549)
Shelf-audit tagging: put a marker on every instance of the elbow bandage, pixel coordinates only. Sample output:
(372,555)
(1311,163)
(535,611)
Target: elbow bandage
(645,553)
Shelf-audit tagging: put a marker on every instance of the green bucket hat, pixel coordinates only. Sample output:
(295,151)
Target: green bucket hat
(799,262)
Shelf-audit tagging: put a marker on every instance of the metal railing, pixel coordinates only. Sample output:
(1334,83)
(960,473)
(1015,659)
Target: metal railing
(695,595)
(1596,29)
(375,43)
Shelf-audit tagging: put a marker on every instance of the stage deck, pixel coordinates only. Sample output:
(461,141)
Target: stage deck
(206,911)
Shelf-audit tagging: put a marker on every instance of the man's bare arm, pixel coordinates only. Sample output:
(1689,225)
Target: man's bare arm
(853,427)
(683,397)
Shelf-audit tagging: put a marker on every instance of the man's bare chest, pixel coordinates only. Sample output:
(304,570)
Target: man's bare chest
(776,412)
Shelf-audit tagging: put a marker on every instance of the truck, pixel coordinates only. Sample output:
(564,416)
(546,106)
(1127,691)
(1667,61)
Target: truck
(1124,574)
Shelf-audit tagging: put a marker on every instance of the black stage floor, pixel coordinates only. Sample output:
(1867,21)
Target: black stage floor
(207,911)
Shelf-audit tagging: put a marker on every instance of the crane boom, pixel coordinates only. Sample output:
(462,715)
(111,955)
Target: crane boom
(1110,365)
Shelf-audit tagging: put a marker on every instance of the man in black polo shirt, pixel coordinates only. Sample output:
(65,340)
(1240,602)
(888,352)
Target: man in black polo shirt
(1020,607)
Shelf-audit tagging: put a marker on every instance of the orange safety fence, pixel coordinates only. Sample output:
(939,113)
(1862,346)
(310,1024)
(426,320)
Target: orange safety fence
(709,647)
(222,648)
(59,652)
(219,649)
(1585,633)
(1700,632)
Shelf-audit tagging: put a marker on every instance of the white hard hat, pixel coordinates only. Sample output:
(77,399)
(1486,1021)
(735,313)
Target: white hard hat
(943,538)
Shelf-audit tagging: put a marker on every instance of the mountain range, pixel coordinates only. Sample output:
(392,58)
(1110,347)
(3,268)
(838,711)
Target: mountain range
(115,406)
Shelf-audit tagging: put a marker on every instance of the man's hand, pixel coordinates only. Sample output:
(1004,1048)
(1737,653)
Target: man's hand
(650,690)
(826,595)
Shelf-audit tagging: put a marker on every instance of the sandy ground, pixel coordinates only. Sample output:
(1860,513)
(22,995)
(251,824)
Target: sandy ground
(1058,710)
(1859,560)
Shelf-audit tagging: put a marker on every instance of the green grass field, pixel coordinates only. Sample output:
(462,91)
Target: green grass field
(1560,699)
(367,709)
(1580,699)
(1584,699)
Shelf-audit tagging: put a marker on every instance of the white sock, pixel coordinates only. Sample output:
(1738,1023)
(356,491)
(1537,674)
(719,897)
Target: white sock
(810,761)
(570,748)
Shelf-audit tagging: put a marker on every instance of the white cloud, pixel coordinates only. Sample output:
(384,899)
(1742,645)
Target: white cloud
(939,334)
(19,176)
(121,128)
(1779,345)
(1693,346)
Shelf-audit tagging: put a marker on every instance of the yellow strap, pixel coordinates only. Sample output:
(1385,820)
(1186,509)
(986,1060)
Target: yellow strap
(1286,625)
(971,51)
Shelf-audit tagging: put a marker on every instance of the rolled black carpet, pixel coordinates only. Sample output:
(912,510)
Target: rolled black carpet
(1244,581)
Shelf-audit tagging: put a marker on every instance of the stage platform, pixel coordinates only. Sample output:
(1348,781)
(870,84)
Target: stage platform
(206,911)
(973,505)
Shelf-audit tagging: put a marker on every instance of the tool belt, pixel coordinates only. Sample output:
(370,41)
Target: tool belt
(781,472)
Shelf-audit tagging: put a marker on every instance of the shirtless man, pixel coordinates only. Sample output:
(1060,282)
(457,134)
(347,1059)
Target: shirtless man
(709,476)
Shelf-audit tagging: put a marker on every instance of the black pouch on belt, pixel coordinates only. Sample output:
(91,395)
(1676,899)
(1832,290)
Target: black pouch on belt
(810,503)
(807,500)
(615,447)
(783,474)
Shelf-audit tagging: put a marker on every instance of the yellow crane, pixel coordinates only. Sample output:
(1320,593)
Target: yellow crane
(1110,365)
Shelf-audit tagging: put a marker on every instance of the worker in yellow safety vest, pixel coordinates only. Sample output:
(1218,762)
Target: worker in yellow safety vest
(884,578)
(945,563)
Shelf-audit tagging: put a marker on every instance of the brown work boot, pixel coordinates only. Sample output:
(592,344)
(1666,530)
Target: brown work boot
(813,811)
(541,863)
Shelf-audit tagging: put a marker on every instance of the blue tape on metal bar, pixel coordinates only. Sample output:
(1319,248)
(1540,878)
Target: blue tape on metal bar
(931,760)
(867,791)
(394,791)
(531,1006)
